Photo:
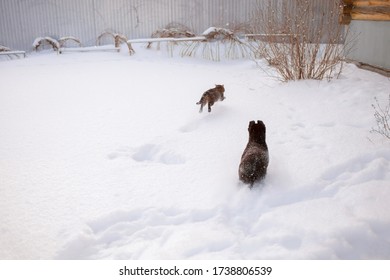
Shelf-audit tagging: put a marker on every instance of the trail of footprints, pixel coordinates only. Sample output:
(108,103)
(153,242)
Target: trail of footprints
(154,152)
(149,153)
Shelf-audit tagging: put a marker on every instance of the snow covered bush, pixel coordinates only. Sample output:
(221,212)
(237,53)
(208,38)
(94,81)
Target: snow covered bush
(382,117)
(217,40)
(42,41)
(301,39)
(172,30)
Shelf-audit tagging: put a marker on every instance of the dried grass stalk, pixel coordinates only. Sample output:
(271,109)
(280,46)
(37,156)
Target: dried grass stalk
(118,39)
(172,30)
(215,40)
(4,49)
(65,39)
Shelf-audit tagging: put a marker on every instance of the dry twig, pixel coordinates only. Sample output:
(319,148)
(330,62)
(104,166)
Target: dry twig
(382,117)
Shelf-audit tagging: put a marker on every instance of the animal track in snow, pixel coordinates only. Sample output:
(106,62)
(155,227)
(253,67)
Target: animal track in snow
(327,124)
(372,166)
(155,153)
(297,126)
(149,152)
(132,233)
(189,127)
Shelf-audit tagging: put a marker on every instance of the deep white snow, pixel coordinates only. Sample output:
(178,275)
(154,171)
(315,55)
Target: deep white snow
(105,156)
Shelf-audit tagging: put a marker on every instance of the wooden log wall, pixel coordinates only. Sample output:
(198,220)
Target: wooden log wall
(365,10)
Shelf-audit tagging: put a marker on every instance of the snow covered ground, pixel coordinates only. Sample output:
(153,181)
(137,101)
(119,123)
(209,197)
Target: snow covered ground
(105,156)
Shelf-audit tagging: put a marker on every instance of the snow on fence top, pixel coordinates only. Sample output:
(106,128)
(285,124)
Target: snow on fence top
(167,39)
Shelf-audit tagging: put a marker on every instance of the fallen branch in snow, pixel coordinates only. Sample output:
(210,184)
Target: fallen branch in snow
(382,117)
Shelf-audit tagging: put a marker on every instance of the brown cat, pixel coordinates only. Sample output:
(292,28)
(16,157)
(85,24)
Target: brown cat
(211,96)
(254,160)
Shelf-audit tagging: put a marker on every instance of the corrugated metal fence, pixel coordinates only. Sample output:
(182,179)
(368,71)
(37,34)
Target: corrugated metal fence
(21,21)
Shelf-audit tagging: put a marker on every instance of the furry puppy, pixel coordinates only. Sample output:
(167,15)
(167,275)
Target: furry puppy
(254,160)
(211,96)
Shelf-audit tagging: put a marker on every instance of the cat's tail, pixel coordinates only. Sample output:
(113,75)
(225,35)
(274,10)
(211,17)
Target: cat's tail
(201,103)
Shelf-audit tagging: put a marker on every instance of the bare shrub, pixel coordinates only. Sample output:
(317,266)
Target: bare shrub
(382,118)
(301,39)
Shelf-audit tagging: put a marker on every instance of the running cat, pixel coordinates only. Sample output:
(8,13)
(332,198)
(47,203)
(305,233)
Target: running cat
(211,96)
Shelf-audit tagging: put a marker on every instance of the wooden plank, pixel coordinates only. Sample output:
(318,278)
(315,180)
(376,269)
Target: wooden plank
(366,3)
(372,13)
(366,66)
(365,10)
(367,16)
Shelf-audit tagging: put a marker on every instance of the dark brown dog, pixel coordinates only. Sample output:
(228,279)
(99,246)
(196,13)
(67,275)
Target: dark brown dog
(254,160)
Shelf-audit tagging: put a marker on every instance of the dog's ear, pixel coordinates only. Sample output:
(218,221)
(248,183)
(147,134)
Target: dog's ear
(251,123)
(261,125)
